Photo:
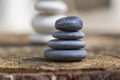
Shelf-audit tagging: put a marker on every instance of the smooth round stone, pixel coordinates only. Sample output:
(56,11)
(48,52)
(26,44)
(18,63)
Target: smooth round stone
(68,35)
(66,44)
(70,23)
(51,6)
(40,38)
(65,55)
(44,23)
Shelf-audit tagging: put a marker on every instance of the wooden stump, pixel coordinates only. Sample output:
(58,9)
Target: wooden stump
(21,60)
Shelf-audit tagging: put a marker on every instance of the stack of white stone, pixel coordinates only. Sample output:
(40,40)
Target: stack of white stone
(43,23)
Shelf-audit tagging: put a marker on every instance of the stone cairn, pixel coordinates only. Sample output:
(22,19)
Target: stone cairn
(68,46)
(43,23)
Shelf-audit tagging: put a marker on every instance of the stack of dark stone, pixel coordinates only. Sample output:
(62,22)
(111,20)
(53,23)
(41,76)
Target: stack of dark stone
(68,46)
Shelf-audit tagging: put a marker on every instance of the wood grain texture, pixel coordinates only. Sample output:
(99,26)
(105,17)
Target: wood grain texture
(103,55)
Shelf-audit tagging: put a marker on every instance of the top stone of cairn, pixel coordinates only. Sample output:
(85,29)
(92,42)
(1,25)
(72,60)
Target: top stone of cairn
(71,23)
(52,6)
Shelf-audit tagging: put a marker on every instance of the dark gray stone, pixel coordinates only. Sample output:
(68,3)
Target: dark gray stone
(68,35)
(66,44)
(65,55)
(71,23)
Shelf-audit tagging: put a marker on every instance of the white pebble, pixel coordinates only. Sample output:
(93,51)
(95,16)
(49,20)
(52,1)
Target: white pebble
(45,23)
(51,6)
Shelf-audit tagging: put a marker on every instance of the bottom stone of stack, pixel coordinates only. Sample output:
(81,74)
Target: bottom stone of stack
(65,55)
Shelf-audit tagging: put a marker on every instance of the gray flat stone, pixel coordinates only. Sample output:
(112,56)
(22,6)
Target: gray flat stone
(70,23)
(66,44)
(65,55)
(68,35)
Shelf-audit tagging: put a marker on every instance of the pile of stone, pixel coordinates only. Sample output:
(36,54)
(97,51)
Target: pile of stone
(68,46)
(43,23)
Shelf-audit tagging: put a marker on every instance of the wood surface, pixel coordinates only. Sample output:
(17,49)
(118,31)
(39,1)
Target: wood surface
(18,53)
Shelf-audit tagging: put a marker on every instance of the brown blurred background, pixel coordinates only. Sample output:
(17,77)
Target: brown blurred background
(87,4)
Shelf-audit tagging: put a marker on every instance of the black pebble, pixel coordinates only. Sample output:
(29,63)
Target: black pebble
(65,55)
(66,44)
(71,23)
(68,35)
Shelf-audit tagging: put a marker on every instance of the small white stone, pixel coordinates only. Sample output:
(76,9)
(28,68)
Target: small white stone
(40,38)
(45,23)
(51,6)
